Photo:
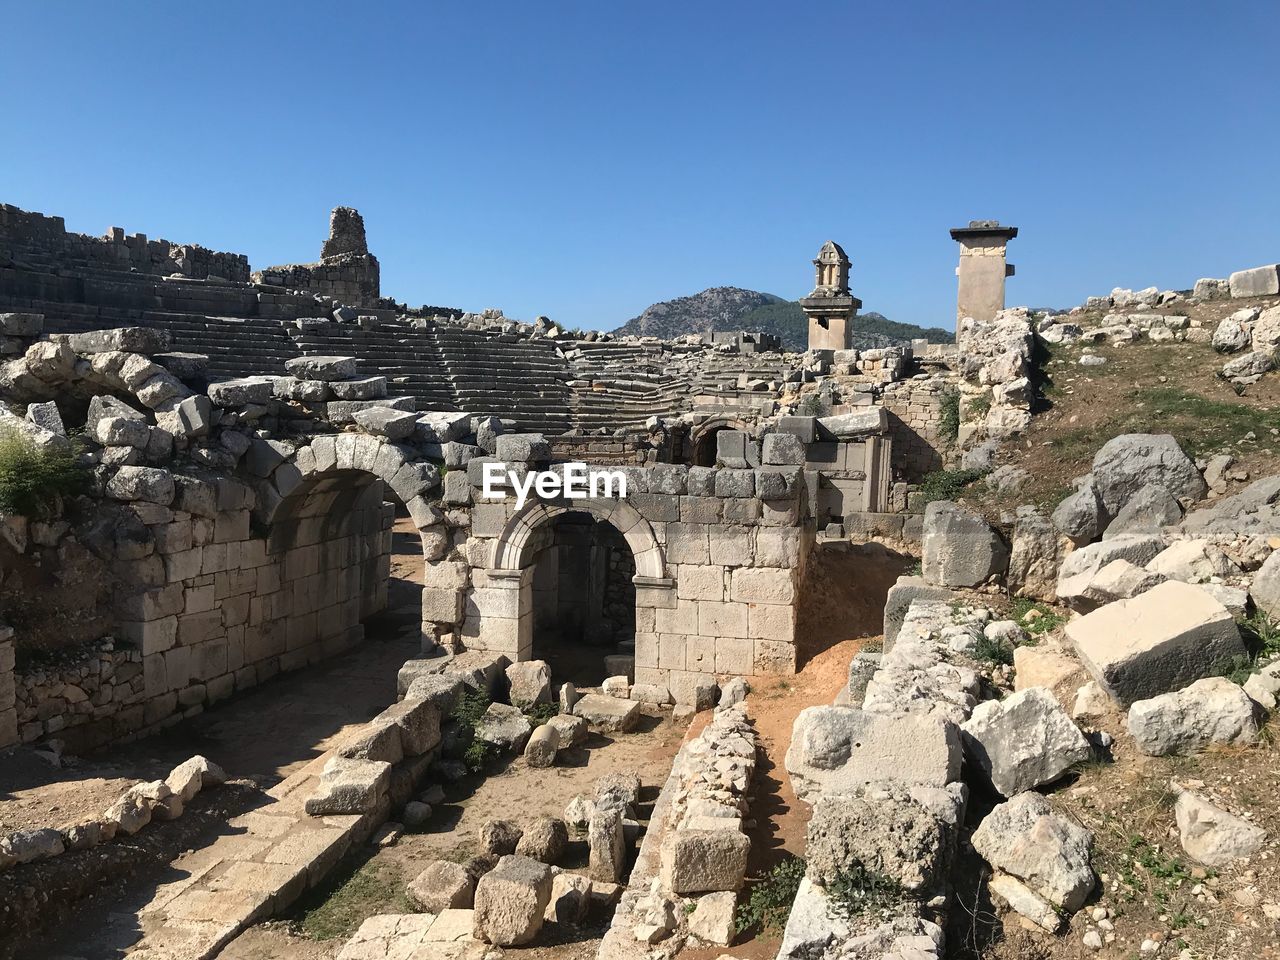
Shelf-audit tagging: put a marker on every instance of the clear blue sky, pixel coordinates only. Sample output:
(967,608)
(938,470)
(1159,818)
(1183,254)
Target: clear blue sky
(586,159)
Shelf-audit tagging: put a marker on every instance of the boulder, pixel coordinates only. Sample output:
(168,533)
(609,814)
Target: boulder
(573,730)
(148,484)
(1158,641)
(1149,510)
(1231,335)
(570,898)
(1079,567)
(712,919)
(579,811)
(500,837)
(1265,589)
(1080,516)
(1023,741)
(1212,710)
(544,838)
(960,548)
(530,682)
(1248,367)
(511,901)
(1213,836)
(842,749)
(504,727)
(1046,851)
(442,886)
(26,846)
(191,776)
(702,861)
(617,791)
(1127,463)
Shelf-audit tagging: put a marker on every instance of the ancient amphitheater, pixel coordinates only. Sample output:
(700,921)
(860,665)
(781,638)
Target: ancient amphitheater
(862,653)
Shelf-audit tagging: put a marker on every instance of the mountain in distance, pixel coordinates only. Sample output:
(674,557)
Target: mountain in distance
(733,308)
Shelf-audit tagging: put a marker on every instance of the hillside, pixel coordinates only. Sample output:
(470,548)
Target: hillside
(733,308)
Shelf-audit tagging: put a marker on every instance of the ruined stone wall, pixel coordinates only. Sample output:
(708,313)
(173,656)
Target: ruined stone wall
(915,409)
(30,237)
(353,278)
(205,606)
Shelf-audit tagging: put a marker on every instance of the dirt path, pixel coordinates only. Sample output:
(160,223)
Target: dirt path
(779,818)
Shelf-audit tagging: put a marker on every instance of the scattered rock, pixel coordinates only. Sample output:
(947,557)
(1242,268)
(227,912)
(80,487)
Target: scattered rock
(1213,710)
(1026,838)
(1213,836)
(544,839)
(511,901)
(500,837)
(442,886)
(1023,741)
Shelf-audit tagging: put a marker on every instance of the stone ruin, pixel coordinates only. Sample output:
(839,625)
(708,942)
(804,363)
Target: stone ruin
(249,440)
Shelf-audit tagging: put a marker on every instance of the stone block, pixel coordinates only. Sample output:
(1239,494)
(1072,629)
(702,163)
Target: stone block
(1212,710)
(960,548)
(511,901)
(842,749)
(349,786)
(441,886)
(762,585)
(1255,282)
(1023,741)
(1159,641)
(782,449)
(906,591)
(608,714)
(704,861)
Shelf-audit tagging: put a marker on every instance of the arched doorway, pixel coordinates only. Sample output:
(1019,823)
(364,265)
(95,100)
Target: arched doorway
(584,597)
(703,440)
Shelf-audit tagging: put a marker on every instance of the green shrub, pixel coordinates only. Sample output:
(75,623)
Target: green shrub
(539,713)
(769,903)
(949,417)
(471,707)
(978,406)
(943,485)
(813,406)
(33,479)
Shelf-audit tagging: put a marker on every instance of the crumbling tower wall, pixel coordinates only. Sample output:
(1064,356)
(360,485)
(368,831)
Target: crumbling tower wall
(346,271)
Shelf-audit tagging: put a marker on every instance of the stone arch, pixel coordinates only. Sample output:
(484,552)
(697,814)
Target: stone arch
(523,533)
(701,440)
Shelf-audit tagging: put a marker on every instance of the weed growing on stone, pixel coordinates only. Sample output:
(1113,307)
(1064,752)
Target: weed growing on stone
(34,479)
(471,707)
(539,713)
(949,416)
(1036,619)
(857,890)
(993,651)
(769,903)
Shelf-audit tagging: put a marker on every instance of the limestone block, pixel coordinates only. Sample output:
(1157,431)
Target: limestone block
(1023,741)
(321,368)
(906,591)
(1159,641)
(1212,710)
(762,585)
(149,484)
(1080,566)
(418,722)
(1255,282)
(735,483)
(704,861)
(782,449)
(608,714)
(442,886)
(570,898)
(728,619)
(237,393)
(859,423)
(523,448)
(349,786)
(385,422)
(511,901)
(960,548)
(1045,666)
(191,776)
(361,388)
(731,545)
(842,749)
(544,838)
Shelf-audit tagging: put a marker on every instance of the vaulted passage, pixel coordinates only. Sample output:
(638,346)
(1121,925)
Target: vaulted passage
(584,600)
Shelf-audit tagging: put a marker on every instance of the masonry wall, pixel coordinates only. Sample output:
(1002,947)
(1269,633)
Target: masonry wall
(718,556)
(28,236)
(352,278)
(915,410)
(206,605)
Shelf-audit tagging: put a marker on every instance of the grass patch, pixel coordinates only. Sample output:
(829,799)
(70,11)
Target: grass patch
(1036,619)
(943,485)
(993,651)
(34,479)
(374,888)
(768,904)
